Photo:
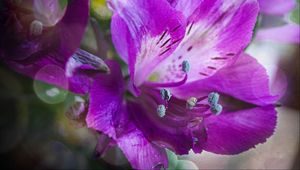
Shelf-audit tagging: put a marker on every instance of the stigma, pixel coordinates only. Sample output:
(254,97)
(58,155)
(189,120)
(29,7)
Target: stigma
(185,66)
(165,94)
(161,110)
(191,102)
(36,28)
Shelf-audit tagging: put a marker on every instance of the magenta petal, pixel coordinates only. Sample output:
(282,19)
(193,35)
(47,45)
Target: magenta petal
(233,133)
(173,131)
(141,153)
(289,33)
(276,7)
(216,33)
(106,97)
(144,33)
(121,37)
(80,71)
(245,80)
(187,7)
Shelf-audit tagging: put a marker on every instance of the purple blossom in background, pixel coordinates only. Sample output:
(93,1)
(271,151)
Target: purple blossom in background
(41,40)
(288,32)
(193,87)
(276,7)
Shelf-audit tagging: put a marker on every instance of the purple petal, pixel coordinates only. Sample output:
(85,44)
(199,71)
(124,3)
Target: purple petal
(175,131)
(121,37)
(235,132)
(276,7)
(245,80)
(80,71)
(106,97)
(29,55)
(103,144)
(48,11)
(216,33)
(108,115)
(187,7)
(141,153)
(152,30)
(289,33)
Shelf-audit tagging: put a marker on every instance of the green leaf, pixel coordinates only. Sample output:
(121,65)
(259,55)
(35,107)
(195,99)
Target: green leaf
(295,15)
(63,3)
(172,159)
(185,164)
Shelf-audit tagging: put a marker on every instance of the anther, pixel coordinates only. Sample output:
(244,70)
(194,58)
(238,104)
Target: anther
(161,110)
(165,94)
(36,28)
(191,102)
(185,66)
(216,109)
(213,98)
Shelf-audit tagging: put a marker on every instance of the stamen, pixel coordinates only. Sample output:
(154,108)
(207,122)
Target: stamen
(216,109)
(36,28)
(161,110)
(191,102)
(185,66)
(165,94)
(213,98)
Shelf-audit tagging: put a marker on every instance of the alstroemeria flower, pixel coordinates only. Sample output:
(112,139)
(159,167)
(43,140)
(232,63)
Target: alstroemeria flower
(41,40)
(276,7)
(286,31)
(192,85)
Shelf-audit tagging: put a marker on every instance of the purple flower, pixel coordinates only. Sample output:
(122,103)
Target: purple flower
(41,40)
(287,32)
(276,7)
(192,85)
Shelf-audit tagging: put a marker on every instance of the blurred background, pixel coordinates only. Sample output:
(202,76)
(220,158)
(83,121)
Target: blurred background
(36,133)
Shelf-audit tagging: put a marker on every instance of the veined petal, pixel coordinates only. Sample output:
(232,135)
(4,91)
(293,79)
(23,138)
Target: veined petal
(245,80)
(216,33)
(187,7)
(152,30)
(276,7)
(106,97)
(235,132)
(141,153)
(80,70)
